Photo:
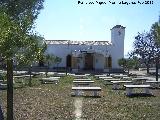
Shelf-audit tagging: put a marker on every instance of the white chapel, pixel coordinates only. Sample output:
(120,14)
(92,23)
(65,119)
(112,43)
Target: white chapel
(89,55)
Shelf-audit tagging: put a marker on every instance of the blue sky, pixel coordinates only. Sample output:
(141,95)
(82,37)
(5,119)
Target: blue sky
(68,20)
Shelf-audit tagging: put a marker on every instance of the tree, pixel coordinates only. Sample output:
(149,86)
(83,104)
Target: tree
(136,60)
(41,54)
(131,63)
(31,54)
(155,31)
(16,23)
(145,48)
(127,63)
(49,58)
(122,63)
(57,61)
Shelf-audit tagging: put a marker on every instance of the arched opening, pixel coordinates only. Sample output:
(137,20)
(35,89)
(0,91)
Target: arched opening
(89,61)
(106,62)
(69,61)
(109,61)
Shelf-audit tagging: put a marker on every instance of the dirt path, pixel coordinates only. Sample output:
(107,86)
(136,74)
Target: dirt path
(78,108)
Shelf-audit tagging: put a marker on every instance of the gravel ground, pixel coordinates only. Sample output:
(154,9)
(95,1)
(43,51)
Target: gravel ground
(42,102)
(54,102)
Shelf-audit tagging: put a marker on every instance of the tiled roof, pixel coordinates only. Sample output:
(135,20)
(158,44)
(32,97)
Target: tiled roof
(78,42)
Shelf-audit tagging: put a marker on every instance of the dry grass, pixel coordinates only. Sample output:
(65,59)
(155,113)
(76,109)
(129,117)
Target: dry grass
(54,102)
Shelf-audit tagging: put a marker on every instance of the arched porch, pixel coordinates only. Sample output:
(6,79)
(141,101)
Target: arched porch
(93,60)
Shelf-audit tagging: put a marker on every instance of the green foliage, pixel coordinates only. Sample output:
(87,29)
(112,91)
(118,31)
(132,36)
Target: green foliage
(155,30)
(3,76)
(136,62)
(17,39)
(146,48)
(41,51)
(32,53)
(20,9)
(49,58)
(122,62)
(58,60)
(131,63)
(128,63)
(10,36)
(147,45)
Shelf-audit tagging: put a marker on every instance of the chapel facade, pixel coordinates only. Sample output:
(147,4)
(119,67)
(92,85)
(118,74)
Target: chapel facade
(89,55)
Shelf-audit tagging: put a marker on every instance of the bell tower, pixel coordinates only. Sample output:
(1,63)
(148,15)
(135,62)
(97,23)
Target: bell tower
(117,39)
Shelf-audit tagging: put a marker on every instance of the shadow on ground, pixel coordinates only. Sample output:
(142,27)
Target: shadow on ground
(87,96)
(140,95)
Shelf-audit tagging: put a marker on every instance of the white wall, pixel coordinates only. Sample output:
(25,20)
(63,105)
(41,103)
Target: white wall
(63,50)
(117,48)
(99,61)
(60,51)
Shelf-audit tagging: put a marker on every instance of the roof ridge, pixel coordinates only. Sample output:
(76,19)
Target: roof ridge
(78,42)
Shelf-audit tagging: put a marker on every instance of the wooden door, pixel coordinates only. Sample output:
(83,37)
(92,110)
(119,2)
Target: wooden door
(89,61)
